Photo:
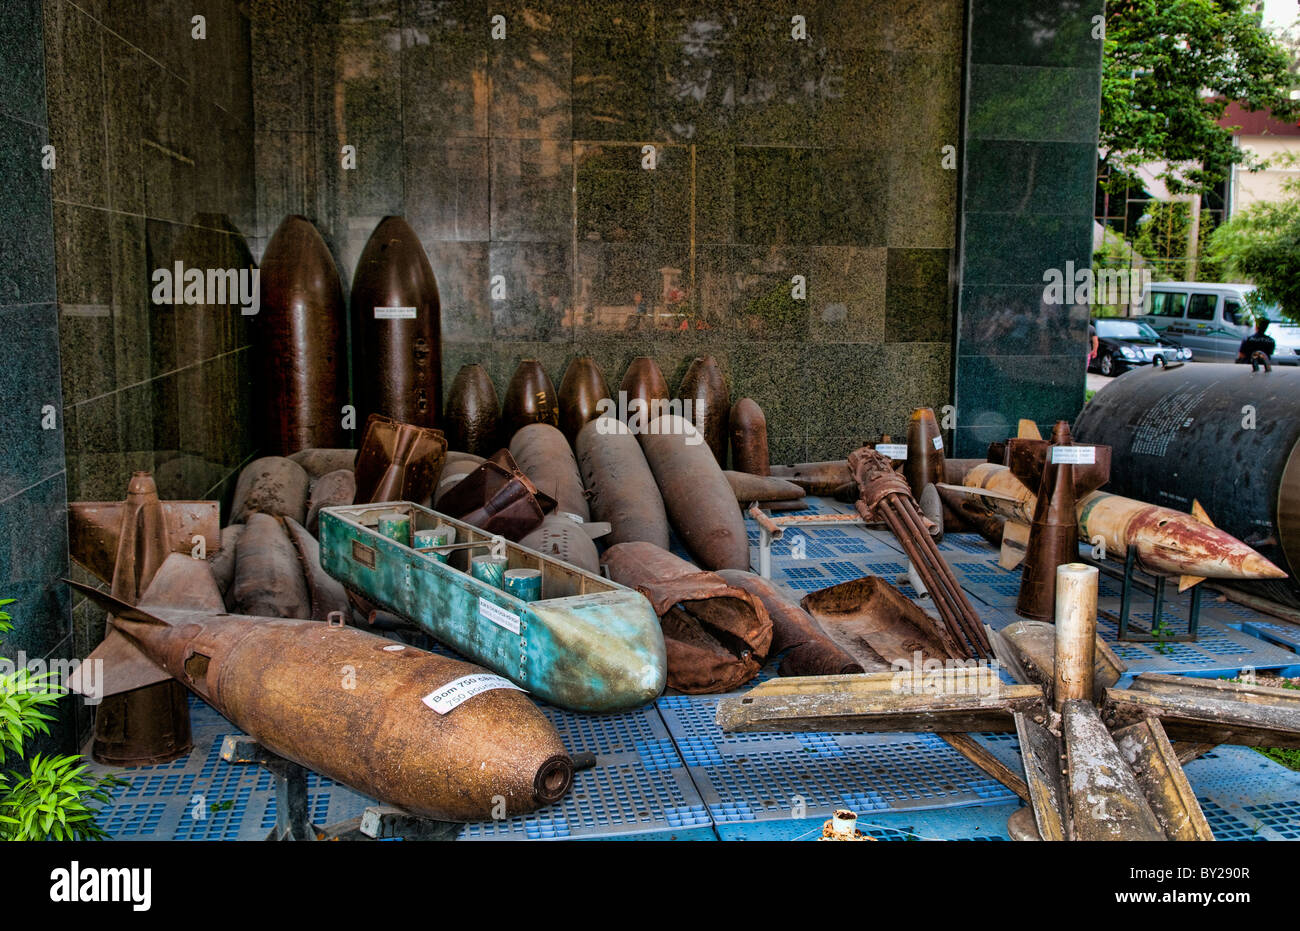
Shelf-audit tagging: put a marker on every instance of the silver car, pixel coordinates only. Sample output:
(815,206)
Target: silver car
(1213,319)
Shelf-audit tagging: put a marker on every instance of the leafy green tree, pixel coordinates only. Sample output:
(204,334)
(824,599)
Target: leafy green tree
(53,798)
(1262,244)
(1162,237)
(1171,68)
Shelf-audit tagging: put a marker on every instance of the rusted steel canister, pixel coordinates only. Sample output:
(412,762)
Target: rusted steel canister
(543,454)
(620,485)
(817,478)
(643,382)
(302,342)
(924,463)
(1053,535)
(705,388)
(701,506)
(581,390)
(748,428)
(530,398)
(471,421)
(396,329)
(809,650)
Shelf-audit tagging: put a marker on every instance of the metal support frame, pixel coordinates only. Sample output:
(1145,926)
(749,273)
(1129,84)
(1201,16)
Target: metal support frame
(1157,592)
(292,813)
(773,528)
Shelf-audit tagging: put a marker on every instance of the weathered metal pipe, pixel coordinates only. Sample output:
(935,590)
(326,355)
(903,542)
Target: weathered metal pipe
(808,649)
(302,344)
(543,454)
(716,635)
(530,398)
(620,483)
(748,428)
(706,389)
(471,420)
(700,503)
(396,328)
(1073,668)
(582,389)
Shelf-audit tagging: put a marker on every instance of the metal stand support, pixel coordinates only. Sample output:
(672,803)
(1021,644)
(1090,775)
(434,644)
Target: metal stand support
(1157,592)
(292,818)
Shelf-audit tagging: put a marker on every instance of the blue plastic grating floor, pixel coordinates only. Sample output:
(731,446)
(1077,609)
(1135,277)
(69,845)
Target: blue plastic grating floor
(667,772)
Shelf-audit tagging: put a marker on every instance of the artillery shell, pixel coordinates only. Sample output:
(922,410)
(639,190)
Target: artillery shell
(473,413)
(396,328)
(530,398)
(543,454)
(318,462)
(748,428)
(581,390)
(333,489)
(700,503)
(924,463)
(645,388)
(268,577)
(302,349)
(706,389)
(621,485)
(1053,535)
(273,485)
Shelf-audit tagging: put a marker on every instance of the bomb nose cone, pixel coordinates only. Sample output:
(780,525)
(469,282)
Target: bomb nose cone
(530,398)
(1260,568)
(1061,435)
(582,388)
(472,412)
(142,483)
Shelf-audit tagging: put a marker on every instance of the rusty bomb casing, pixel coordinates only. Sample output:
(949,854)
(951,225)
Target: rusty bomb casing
(582,389)
(278,680)
(706,389)
(472,418)
(924,463)
(818,478)
(561,537)
(645,388)
(716,635)
(333,489)
(301,342)
(319,461)
(530,398)
(762,488)
(396,328)
(698,498)
(325,594)
(1053,535)
(268,577)
(620,484)
(398,461)
(543,454)
(747,426)
(271,485)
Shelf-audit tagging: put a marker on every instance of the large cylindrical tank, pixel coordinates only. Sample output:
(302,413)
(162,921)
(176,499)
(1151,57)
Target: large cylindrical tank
(1220,434)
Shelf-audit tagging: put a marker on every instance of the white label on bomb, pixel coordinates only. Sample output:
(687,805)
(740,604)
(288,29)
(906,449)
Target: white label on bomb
(498,615)
(1074,455)
(892,450)
(457,692)
(938,442)
(394,313)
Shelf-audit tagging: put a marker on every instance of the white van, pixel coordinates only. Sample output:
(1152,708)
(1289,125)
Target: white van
(1212,320)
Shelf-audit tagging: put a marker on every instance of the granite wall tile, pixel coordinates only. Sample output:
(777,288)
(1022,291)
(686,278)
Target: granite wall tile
(26,232)
(31,565)
(531,76)
(613,94)
(31,428)
(448,76)
(1015,102)
(919,295)
(1065,34)
(447,184)
(22,63)
(532,190)
(75,97)
(536,303)
(1031,177)
(1010,249)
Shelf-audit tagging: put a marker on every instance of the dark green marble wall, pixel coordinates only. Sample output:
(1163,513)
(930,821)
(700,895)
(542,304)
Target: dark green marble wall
(153,134)
(33,531)
(520,160)
(1033,92)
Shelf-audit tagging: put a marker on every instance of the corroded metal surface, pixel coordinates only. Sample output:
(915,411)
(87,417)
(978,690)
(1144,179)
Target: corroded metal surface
(1105,800)
(716,635)
(747,426)
(564,539)
(396,328)
(817,478)
(268,577)
(222,562)
(530,398)
(878,625)
(924,463)
(272,485)
(1034,643)
(588,644)
(620,485)
(749,488)
(332,489)
(1151,757)
(582,388)
(279,681)
(645,387)
(706,389)
(1053,534)
(472,418)
(497,497)
(398,461)
(700,503)
(301,343)
(808,649)
(1209,710)
(326,595)
(317,462)
(543,454)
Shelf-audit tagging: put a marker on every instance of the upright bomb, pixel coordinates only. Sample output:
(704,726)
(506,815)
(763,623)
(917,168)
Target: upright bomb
(473,414)
(644,381)
(700,503)
(302,345)
(924,463)
(530,398)
(542,453)
(425,746)
(1053,535)
(748,428)
(705,388)
(621,486)
(396,328)
(581,391)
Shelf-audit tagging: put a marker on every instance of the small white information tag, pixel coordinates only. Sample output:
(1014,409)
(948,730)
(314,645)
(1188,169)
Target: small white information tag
(938,442)
(459,691)
(394,313)
(498,615)
(1074,455)
(892,450)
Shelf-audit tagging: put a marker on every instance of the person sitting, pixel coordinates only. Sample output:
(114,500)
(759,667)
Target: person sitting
(1258,341)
